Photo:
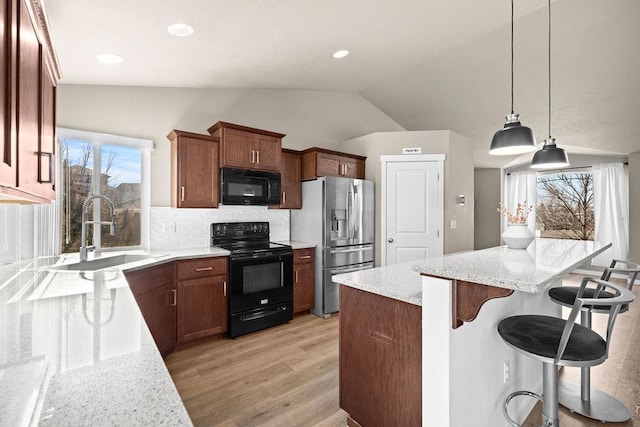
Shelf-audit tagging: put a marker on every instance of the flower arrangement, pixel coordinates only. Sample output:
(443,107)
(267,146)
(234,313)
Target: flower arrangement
(519,216)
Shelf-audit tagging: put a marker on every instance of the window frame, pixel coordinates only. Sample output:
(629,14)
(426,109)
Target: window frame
(98,140)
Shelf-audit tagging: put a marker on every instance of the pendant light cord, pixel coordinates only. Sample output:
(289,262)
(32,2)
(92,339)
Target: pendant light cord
(511,56)
(549,69)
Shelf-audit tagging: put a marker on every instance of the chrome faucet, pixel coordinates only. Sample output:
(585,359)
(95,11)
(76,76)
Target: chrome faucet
(84,249)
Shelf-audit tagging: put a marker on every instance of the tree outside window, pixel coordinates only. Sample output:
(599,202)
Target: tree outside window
(118,177)
(564,207)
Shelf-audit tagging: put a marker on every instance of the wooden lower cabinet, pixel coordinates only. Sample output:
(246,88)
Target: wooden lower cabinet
(202,299)
(182,301)
(303,280)
(154,289)
(380,359)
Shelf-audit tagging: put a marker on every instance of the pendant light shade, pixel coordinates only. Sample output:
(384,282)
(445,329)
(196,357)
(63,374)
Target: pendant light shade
(550,157)
(513,138)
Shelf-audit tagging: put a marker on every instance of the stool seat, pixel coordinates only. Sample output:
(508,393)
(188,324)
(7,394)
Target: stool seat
(542,338)
(566,296)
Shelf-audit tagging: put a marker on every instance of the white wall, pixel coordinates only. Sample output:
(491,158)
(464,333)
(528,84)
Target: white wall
(634,207)
(308,118)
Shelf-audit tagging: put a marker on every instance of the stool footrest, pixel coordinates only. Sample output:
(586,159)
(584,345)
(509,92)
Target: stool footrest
(511,396)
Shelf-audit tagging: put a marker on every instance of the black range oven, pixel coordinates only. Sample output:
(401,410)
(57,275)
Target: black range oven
(260,276)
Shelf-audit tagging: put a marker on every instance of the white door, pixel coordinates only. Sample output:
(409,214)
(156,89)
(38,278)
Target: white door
(413,210)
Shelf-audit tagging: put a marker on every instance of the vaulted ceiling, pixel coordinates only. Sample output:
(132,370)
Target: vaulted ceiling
(427,64)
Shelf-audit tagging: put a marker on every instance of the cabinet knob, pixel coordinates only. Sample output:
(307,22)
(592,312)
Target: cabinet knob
(390,240)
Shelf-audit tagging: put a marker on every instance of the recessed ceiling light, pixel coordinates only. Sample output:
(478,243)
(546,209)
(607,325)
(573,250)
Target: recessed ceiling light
(110,58)
(180,30)
(341,54)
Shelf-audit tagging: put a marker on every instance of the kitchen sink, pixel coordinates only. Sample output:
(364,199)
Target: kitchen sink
(100,263)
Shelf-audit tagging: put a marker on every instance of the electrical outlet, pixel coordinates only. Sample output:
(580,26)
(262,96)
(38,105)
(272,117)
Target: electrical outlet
(506,371)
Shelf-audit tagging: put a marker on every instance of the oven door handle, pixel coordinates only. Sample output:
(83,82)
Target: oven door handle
(258,256)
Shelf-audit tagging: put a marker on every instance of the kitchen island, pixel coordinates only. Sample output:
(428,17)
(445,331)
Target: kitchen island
(461,298)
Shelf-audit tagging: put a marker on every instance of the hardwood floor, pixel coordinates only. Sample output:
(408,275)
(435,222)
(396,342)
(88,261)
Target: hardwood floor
(288,375)
(282,376)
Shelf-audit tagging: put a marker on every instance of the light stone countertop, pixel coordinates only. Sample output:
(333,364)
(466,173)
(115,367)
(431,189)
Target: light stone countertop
(532,270)
(75,350)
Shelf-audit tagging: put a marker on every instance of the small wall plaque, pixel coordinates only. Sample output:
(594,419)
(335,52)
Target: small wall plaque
(413,150)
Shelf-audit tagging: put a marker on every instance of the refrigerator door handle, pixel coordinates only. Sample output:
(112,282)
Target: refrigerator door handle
(349,270)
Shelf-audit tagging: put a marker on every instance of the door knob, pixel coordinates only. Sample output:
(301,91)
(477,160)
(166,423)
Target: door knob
(390,240)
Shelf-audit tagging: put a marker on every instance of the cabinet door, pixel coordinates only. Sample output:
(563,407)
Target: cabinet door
(197,174)
(291,185)
(352,168)
(28,98)
(155,291)
(268,152)
(202,308)
(327,165)
(47,134)
(237,149)
(158,308)
(8,165)
(303,280)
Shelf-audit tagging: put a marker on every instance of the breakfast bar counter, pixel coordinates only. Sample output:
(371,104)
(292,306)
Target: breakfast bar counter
(459,298)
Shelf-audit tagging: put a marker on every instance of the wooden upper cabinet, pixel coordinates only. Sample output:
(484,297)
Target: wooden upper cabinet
(8,165)
(321,162)
(291,174)
(194,170)
(243,147)
(29,75)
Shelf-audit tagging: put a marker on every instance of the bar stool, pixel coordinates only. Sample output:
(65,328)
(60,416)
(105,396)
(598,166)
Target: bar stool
(582,398)
(558,342)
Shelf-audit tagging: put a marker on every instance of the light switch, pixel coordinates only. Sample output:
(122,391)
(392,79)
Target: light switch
(452,224)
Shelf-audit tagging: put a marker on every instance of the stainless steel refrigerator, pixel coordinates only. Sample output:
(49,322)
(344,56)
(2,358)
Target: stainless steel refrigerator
(338,216)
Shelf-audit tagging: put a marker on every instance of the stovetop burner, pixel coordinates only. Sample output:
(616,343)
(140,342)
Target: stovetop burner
(244,237)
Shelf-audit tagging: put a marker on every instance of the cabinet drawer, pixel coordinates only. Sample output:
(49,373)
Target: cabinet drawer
(303,255)
(202,267)
(151,278)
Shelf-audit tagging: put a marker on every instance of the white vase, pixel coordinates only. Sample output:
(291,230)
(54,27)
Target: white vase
(518,236)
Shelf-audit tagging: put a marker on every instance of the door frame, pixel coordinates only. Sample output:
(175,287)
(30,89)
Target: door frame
(403,158)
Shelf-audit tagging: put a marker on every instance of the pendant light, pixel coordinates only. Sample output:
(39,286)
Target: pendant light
(513,138)
(550,157)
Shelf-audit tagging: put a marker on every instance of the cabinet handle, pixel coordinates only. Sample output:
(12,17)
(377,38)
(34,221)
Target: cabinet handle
(224,288)
(182,193)
(253,156)
(284,197)
(175,297)
(41,178)
(257,156)
(296,276)
(305,257)
(204,269)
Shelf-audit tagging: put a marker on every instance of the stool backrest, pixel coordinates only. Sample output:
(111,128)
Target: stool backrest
(621,296)
(631,269)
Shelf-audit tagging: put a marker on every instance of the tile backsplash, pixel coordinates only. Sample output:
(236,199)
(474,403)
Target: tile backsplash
(172,228)
(27,231)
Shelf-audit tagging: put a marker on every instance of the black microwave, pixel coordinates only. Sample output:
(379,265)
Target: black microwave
(248,187)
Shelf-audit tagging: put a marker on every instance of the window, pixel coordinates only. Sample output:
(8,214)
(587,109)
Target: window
(564,207)
(109,166)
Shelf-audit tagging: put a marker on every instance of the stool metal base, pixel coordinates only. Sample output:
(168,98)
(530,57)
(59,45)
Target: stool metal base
(601,407)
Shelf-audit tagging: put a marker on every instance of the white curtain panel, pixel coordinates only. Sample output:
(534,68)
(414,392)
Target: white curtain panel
(521,188)
(611,211)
